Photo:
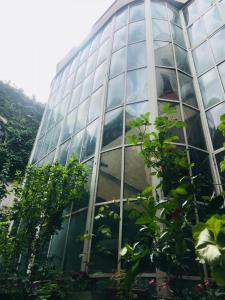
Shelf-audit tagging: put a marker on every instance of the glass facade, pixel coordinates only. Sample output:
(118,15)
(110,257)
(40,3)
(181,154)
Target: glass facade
(106,84)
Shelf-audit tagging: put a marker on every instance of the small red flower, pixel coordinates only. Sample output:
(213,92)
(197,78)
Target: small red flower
(199,287)
(206,282)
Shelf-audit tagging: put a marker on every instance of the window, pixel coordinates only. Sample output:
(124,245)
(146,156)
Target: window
(191,13)
(68,126)
(187,90)
(217,43)
(113,129)
(203,5)
(136,32)
(163,54)
(121,19)
(76,144)
(95,44)
(178,36)
(99,76)
(103,52)
(211,88)
(212,20)
(159,10)
(115,91)
(196,33)
(137,13)
(84,53)
(136,85)
(76,95)
(105,32)
(119,39)
(91,63)
(136,55)
(63,152)
(161,30)
(182,59)
(166,84)
(82,115)
(118,62)
(87,86)
(202,62)
(174,15)
(222,73)
(90,138)
(81,73)
(95,105)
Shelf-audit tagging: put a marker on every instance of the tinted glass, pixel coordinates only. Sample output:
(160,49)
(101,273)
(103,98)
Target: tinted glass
(117,62)
(166,84)
(115,91)
(178,36)
(91,63)
(136,32)
(90,140)
(187,90)
(76,95)
(202,62)
(191,13)
(63,152)
(217,43)
(99,76)
(136,55)
(87,86)
(163,54)
(76,144)
(182,59)
(136,85)
(68,126)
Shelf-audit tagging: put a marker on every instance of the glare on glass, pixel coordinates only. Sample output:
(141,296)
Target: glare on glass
(136,85)
(202,58)
(136,56)
(119,39)
(136,32)
(115,91)
(212,20)
(137,13)
(117,62)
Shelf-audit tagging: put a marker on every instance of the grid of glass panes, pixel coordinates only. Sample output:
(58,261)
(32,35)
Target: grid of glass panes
(205,21)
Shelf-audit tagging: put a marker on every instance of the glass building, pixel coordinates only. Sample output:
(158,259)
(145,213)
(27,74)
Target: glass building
(139,55)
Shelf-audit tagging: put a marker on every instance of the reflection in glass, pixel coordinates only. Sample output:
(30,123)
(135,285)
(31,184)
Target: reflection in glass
(213,116)
(118,62)
(90,138)
(161,30)
(187,90)
(95,105)
(136,175)
(163,54)
(190,13)
(182,59)
(222,73)
(76,144)
(178,36)
(136,32)
(203,5)
(63,152)
(109,176)
(119,39)
(217,43)
(113,128)
(174,15)
(136,85)
(137,13)
(81,73)
(76,95)
(202,62)
(166,84)
(105,32)
(121,19)
(211,88)
(99,76)
(95,44)
(136,55)
(159,10)
(115,91)
(196,33)
(55,137)
(87,86)
(194,130)
(82,113)
(103,52)
(74,247)
(212,20)
(91,63)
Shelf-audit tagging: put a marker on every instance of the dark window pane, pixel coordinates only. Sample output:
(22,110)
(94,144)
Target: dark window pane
(202,62)
(163,54)
(113,129)
(166,84)
(95,105)
(90,140)
(187,90)
(117,62)
(136,32)
(213,116)
(182,59)
(136,85)
(161,30)
(115,91)
(137,13)
(136,56)
(63,152)
(109,176)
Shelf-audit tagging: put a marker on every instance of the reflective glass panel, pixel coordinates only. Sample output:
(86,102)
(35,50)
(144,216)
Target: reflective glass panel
(103,52)
(222,73)
(202,62)
(212,20)
(196,33)
(211,88)
(194,130)
(84,53)
(55,137)
(87,87)
(90,138)
(68,126)
(191,13)
(203,5)
(223,4)
(121,19)
(91,63)
(217,43)
(76,144)
(81,73)
(136,175)
(118,62)
(178,36)
(159,10)
(115,91)
(95,105)
(82,113)
(161,30)
(105,32)
(163,54)
(136,85)
(74,247)
(182,59)
(136,56)
(63,152)
(174,15)
(109,176)
(120,39)
(213,116)
(136,32)
(99,76)
(95,44)
(166,84)
(113,128)
(187,90)
(137,13)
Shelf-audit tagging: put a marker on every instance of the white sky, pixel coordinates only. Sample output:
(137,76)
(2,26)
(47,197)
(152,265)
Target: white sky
(36,34)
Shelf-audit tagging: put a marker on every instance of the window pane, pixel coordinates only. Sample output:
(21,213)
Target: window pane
(95,105)
(105,32)
(84,53)
(76,144)
(136,32)
(121,19)
(136,85)
(222,73)
(109,176)
(90,140)
(159,10)
(95,43)
(178,36)
(217,42)
(87,86)
(74,244)
(115,91)
(211,88)
(118,62)
(136,175)
(161,30)
(68,126)
(163,54)
(196,33)
(81,73)
(113,129)
(213,116)
(174,15)
(99,76)
(137,13)
(202,62)
(187,90)
(82,115)
(191,13)
(103,52)
(119,39)
(136,55)
(203,5)
(63,152)
(212,20)
(194,128)
(166,84)
(76,95)
(182,59)
(91,63)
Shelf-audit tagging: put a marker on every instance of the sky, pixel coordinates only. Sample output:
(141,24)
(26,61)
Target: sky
(36,34)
